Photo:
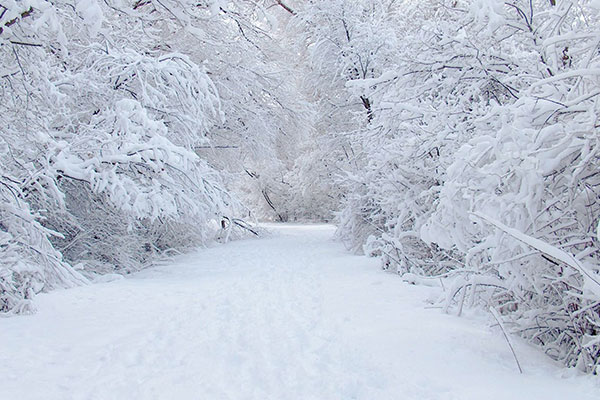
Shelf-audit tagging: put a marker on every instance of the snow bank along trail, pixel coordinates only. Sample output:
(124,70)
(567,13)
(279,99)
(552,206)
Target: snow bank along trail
(292,316)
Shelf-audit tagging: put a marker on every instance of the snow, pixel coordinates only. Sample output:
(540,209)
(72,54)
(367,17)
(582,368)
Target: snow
(591,282)
(91,13)
(290,316)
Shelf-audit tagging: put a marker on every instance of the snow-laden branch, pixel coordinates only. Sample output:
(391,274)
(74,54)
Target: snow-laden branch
(593,281)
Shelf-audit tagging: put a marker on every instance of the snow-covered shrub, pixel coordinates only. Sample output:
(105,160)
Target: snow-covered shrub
(102,117)
(29,261)
(532,167)
(423,108)
(481,120)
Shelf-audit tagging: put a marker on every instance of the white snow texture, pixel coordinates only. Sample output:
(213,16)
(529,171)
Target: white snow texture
(292,316)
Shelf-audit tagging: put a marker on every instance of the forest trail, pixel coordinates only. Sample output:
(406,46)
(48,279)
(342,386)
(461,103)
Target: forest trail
(290,316)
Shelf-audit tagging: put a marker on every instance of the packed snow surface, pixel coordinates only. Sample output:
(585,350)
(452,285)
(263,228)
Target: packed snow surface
(290,316)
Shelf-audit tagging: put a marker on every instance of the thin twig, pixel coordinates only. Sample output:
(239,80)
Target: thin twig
(508,340)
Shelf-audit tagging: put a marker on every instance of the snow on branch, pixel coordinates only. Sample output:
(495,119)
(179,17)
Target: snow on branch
(593,281)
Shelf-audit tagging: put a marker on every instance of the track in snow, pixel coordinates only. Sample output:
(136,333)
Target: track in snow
(293,316)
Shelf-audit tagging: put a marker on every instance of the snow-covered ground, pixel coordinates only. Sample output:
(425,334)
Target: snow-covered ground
(292,316)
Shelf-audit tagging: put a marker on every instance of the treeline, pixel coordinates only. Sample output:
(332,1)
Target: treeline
(463,141)
(125,126)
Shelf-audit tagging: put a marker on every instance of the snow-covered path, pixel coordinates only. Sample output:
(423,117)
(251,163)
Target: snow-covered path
(293,316)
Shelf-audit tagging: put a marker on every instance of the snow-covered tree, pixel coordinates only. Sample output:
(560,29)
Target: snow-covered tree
(520,199)
(476,160)
(106,107)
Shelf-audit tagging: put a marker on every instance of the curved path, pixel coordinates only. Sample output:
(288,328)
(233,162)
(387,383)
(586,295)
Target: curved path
(291,316)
